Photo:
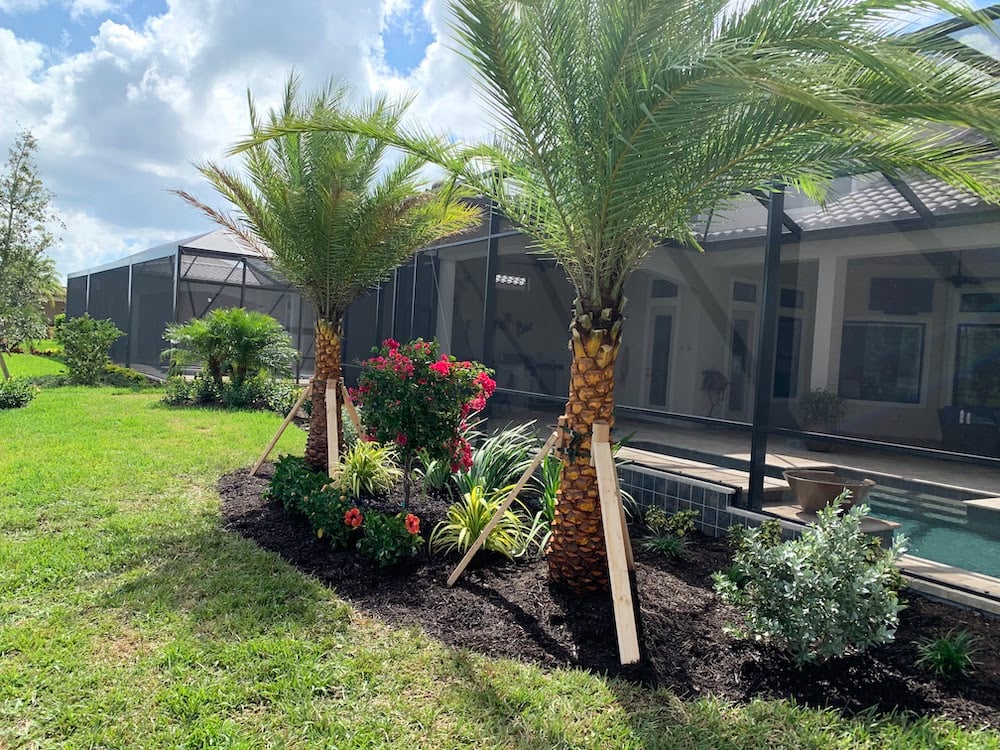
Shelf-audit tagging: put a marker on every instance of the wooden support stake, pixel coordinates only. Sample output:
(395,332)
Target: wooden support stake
(627,537)
(504,507)
(614,539)
(351,411)
(281,430)
(3,366)
(332,420)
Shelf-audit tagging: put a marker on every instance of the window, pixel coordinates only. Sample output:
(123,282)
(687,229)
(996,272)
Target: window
(786,358)
(744,292)
(881,362)
(663,289)
(977,370)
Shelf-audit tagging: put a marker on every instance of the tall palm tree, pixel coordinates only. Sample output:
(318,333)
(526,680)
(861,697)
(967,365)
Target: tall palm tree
(331,215)
(618,121)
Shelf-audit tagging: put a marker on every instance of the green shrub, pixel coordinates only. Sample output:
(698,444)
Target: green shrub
(466,520)
(86,343)
(350,431)
(387,540)
(124,377)
(176,391)
(16,392)
(325,508)
(767,534)
(294,481)
(50,381)
(819,596)
(204,390)
(368,469)
(949,654)
(681,523)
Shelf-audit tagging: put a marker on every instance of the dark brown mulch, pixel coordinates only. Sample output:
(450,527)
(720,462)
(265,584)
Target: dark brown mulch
(505,609)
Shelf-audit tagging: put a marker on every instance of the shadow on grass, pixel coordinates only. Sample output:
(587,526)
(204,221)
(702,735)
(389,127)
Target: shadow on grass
(219,582)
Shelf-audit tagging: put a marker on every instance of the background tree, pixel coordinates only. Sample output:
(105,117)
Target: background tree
(618,121)
(27,276)
(331,215)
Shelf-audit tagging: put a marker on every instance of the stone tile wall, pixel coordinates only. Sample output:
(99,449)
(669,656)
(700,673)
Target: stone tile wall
(655,489)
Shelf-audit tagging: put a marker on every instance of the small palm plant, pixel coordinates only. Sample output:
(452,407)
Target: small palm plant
(232,342)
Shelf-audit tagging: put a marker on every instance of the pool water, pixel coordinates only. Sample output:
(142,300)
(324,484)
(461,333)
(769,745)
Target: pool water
(938,529)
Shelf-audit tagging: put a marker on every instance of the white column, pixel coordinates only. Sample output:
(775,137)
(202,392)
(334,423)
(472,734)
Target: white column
(828,324)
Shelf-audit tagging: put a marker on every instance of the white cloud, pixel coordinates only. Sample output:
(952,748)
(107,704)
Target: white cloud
(120,123)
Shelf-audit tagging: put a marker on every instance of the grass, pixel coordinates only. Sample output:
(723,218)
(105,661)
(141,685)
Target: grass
(130,620)
(30,365)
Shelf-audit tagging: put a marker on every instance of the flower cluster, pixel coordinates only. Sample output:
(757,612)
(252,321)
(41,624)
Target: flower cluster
(420,399)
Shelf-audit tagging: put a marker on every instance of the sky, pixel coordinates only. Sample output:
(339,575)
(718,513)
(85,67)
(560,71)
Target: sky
(125,95)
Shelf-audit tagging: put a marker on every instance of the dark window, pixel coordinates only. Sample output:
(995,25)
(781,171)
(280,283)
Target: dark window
(901,296)
(743,292)
(977,366)
(786,360)
(881,362)
(981,302)
(663,289)
(792,298)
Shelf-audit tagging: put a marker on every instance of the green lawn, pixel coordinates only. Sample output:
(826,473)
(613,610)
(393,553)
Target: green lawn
(30,366)
(128,619)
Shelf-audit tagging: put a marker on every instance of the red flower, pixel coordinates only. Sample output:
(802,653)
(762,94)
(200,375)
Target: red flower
(353,518)
(442,367)
(391,344)
(401,439)
(412,523)
(485,382)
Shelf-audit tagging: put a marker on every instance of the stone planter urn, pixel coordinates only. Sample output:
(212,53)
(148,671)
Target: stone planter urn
(814,489)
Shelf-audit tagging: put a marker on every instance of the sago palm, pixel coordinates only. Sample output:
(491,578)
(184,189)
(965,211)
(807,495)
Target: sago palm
(331,216)
(619,121)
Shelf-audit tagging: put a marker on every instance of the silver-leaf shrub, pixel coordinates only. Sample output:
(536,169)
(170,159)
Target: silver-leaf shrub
(823,595)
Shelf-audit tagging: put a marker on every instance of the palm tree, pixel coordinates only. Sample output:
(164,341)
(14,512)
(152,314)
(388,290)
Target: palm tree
(618,121)
(232,341)
(331,216)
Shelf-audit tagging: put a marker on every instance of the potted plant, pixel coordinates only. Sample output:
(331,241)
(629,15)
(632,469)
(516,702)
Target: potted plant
(820,410)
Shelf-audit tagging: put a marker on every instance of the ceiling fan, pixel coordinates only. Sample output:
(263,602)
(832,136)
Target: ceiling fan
(959,279)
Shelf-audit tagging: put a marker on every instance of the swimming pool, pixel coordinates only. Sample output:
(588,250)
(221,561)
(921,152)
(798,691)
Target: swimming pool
(938,529)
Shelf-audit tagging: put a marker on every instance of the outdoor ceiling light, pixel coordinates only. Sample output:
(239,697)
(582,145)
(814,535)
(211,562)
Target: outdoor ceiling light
(515,283)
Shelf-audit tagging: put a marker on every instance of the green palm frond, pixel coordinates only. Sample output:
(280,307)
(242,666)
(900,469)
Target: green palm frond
(328,208)
(618,121)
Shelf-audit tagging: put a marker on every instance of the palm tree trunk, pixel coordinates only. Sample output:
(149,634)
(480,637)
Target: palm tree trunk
(328,335)
(577,556)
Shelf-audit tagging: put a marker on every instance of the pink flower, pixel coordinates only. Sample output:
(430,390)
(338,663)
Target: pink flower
(442,367)
(353,518)
(391,344)
(412,523)
(485,382)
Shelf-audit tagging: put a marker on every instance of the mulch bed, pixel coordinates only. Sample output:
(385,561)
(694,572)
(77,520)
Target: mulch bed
(510,610)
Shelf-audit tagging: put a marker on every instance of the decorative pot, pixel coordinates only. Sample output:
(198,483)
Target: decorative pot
(814,489)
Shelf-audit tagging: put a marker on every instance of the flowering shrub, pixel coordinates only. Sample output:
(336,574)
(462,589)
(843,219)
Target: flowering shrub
(388,539)
(419,399)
